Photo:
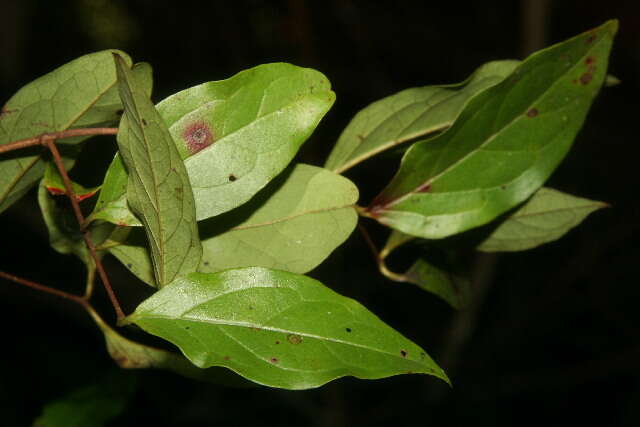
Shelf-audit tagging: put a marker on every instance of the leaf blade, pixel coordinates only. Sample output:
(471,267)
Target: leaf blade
(158,187)
(522,128)
(277,328)
(409,114)
(548,215)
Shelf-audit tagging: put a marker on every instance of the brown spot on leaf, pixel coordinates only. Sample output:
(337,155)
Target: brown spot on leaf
(232,178)
(5,111)
(591,38)
(360,138)
(294,339)
(197,136)
(227,358)
(277,342)
(274,360)
(589,60)
(586,77)
(403,353)
(144,122)
(533,112)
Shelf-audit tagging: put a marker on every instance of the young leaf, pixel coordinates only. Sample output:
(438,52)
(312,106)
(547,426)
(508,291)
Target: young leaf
(548,215)
(278,329)
(410,114)
(237,134)
(504,145)
(293,224)
(55,185)
(158,188)
(93,405)
(81,93)
(133,355)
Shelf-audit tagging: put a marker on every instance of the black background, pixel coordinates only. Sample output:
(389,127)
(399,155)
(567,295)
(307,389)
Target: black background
(553,334)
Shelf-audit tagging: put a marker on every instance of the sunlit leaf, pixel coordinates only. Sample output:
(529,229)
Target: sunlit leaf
(81,93)
(504,145)
(548,215)
(410,114)
(278,329)
(158,188)
(292,225)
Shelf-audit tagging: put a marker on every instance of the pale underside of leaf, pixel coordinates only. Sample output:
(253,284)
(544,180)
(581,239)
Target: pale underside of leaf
(548,215)
(78,94)
(158,187)
(410,114)
(278,329)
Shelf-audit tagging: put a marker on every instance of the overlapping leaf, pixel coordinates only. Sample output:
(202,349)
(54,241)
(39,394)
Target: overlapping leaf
(277,328)
(158,189)
(236,135)
(548,215)
(504,145)
(292,225)
(410,114)
(81,93)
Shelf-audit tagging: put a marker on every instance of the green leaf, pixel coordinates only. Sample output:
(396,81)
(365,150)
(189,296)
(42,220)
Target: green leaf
(93,405)
(237,134)
(55,184)
(293,224)
(504,145)
(158,188)
(133,355)
(548,215)
(410,114)
(64,232)
(440,279)
(78,94)
(112,201)
(132,251)
(278,329)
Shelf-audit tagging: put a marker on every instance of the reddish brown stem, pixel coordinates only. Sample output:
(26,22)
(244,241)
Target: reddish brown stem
(71,297)
(46,137)
(81,221)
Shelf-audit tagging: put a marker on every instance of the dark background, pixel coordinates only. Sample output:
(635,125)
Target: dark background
(552,334)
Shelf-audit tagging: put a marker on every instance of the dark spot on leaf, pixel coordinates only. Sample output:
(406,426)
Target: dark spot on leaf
(232,177)
(424,188)
(144,122)
(591,39)
(206,263)
(360,138)
(503,187)
(589,60)
(186,327)
(533,112)
(586,77)
(277,342)
(197,136)
(274,360)
(422,354)
(250,307)
(129,265)
(119,112)
(403,353)
(227,358)
(348,329)
(294,339)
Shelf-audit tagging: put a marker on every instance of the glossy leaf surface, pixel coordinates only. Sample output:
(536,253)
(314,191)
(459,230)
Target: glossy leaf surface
(504,145)
(548,215)
(293,224)
(410,114)
(81,93)
(278,329)
(158,188)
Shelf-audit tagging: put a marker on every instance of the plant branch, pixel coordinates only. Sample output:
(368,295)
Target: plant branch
(34,285)
(44,138)
(81,222)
